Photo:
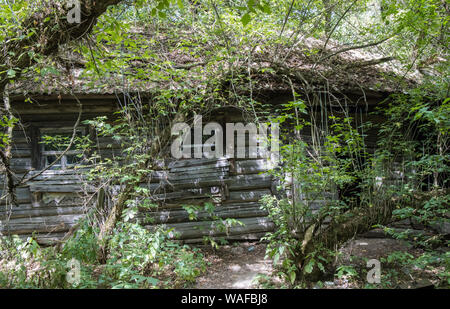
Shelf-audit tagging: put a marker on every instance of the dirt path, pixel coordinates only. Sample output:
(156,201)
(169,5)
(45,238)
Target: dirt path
(234,266)
(237,266)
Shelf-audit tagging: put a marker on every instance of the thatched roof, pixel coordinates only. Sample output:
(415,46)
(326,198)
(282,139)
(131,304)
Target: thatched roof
(351,71)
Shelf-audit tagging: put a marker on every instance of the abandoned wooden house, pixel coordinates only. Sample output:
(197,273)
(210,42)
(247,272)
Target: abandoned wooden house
(51,203)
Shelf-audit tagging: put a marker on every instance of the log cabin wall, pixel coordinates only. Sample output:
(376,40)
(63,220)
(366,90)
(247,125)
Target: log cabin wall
(233,187)
(52,203)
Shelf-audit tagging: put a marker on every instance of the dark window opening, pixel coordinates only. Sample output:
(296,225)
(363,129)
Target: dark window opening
(53,143)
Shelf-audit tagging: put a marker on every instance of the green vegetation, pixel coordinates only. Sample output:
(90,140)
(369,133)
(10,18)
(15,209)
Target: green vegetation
(138,259)
(200,55)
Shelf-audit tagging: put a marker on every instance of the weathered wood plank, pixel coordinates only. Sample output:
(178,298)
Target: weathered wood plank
(17,212)
(20,163)
(176,204)
(251,166)
(197,183)
(61,174)
(38,187)
(191,230)
(66,109)
(157,176)
(189,193)
(226,211)
(44,239)
(217,164)
(253,181)
(68,218)
(50,181)
(23,196)
(40,224)
(21,153)
(193,162)
(249,196)
(239,237)
(198,176)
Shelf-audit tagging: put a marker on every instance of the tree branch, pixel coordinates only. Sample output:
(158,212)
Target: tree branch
(46,30)
(355,47)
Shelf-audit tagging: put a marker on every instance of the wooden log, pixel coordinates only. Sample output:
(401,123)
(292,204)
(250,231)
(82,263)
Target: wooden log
(66,109)
(179,206)
(198,174)
(39,224)
(189,230)
(157,176)
(241,237)
(23,196)
(26,207)
(38,187)
(248,196)
(189,193)
(194,162)
(21,140)
(55,199)
(21,153)
(72,172)
(45,220)
(44,239)
(21,146)
(245,210)
(61,177)
(209,166)
(197,183)
(18,212)
(73,181)
(254,181)
(251,166)
(198,170)
(20,164)
(25,228)
(196,180)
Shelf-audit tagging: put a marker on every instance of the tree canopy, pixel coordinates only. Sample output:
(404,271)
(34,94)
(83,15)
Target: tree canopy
(191,57)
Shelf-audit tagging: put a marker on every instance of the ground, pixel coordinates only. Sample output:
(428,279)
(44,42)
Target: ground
(234,266)
(243,266)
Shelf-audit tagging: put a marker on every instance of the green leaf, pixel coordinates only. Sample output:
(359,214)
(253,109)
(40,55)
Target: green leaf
(309,267)
(246,19)
(266,8)
(162,14)
(49,70)
(292,277)
(11,73)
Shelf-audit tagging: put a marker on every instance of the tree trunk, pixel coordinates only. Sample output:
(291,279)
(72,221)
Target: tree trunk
(327,16)
(353,222)
(45,30)
(117,209)
(6,154)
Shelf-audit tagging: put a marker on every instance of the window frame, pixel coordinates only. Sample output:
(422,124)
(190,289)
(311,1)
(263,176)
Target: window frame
(43,154)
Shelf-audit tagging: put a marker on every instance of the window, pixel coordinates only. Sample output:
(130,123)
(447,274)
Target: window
(53,143)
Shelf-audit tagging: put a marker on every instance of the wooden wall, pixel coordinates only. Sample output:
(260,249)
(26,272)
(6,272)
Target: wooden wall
(233,187)
(52,203)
